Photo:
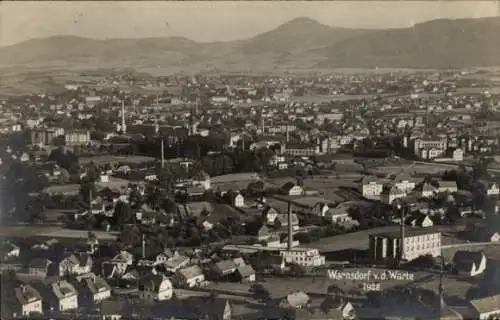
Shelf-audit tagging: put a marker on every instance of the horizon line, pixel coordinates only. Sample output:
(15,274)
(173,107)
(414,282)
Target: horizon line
(243,39)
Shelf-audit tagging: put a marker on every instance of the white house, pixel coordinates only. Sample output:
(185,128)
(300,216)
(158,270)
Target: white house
(271,214)
(97,288)
(237,200)
(75,265)
(492,189)
(422,221)
(303,257)
(447,186)
(458,155)
(320,209)
(292,189)
(10,250)
(426,190)
(369,187)
(155,288)
(404,182)
(389,194)
(189,277)
(470,263)
(29,300)
(66,296)
(338,215)
(175,263)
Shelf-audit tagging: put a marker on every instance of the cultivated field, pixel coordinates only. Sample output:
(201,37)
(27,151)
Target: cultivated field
(101,160)
(52,232)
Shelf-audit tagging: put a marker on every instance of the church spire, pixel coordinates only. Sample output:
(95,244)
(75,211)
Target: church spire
(124,126)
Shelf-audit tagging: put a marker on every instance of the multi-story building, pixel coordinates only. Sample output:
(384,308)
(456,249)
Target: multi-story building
(429,148)
(76,138)
(280,128)
(66,296)
(29,301)
(303,256)
(300,149)
(417,242)
(369,187)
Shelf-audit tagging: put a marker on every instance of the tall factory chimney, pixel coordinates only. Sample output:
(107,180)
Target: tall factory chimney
(287,133)
(290,229)
(90,201)
(402,245)
(162,153)
(124,126)
(262,119)
(143,246)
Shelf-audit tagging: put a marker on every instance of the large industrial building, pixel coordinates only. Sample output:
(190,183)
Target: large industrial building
(417,242)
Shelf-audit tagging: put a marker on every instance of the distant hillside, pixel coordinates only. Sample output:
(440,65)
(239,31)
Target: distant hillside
(300,43)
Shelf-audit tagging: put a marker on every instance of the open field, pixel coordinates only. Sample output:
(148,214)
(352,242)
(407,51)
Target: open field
(359,239)
(52,232)
(427,168)
(72,189)
(101,160)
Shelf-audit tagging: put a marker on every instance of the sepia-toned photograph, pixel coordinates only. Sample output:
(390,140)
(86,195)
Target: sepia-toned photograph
(249,160)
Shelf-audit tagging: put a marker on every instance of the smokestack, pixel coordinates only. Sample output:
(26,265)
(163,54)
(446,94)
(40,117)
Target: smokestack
(124,126)
(162,154)
(287,134)
(290,234)
(143,246)
(90,201)
(403,213)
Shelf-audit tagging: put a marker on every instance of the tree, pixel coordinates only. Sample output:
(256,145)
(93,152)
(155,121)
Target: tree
(123,214)
(297,270)
(64,159)
(334,289)
(480,169)
(88,189)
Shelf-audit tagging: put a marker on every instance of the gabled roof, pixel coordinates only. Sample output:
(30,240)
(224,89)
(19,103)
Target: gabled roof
(63,289)
(447,184)
(283,219)
(367,180)
(245,270)
(40,263)
(191,272)
(175,261)
(468,256)
(487,304)
(225,265)
(26,294)
(288,186)
(96,284)
(296,299)
(152,281)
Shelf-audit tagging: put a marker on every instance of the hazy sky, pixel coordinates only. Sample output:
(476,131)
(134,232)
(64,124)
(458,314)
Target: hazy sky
(214,21)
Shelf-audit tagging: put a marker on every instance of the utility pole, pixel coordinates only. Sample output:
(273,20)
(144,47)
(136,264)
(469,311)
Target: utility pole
(440,289)
(402,209)
(162,154)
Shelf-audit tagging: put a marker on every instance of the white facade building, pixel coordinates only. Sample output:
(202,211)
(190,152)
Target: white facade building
(303,256)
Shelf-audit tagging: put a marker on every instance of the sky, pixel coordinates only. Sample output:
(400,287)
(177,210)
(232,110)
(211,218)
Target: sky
(214,21)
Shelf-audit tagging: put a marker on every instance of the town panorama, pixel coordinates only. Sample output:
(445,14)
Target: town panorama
(333,191)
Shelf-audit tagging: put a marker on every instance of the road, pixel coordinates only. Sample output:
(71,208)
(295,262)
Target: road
(469,244)
(359,239)
(53,232)
(452,166)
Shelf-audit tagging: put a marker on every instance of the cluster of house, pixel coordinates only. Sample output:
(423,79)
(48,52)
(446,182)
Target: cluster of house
(86,279)
(397,186)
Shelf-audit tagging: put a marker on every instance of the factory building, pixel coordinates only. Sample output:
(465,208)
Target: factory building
(417,242)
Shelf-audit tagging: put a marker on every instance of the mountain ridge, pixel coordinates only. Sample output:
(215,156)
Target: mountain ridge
(300,43)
